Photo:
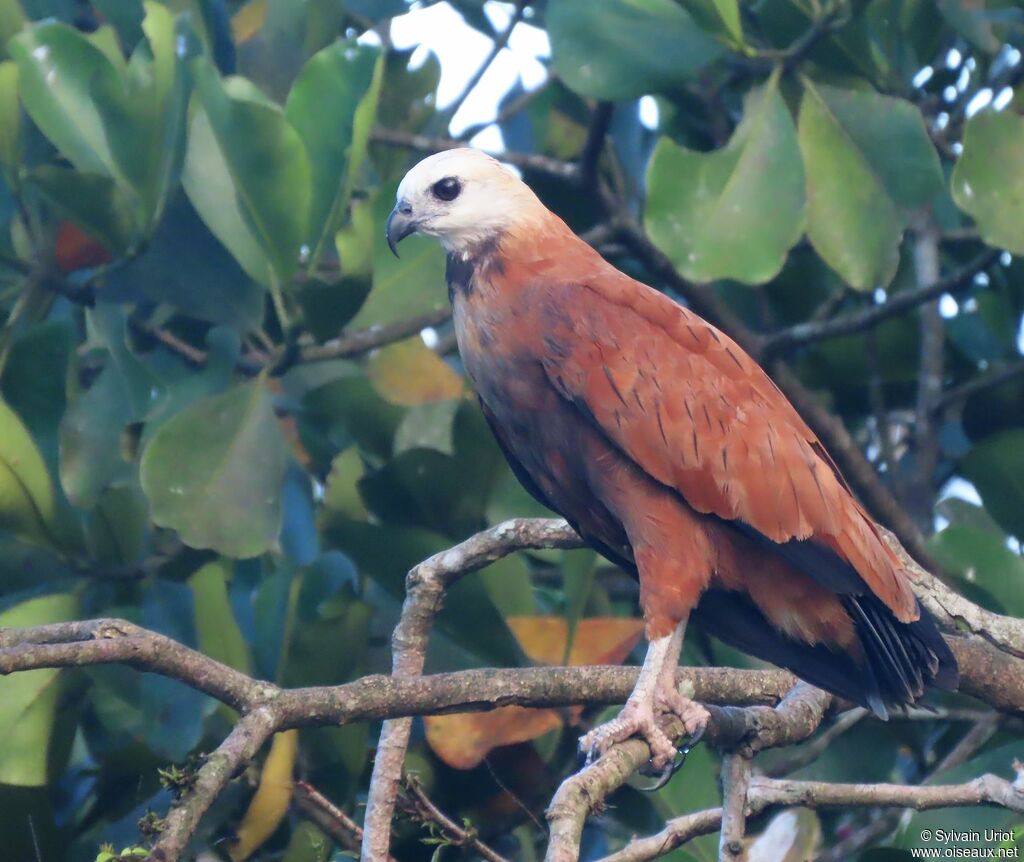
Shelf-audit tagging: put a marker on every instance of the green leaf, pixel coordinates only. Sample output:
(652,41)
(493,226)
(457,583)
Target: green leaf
(267,164)
(27,507)
(622,49)
(12,19)
(729,12)
(736,212)
(996,467)
(982,560)
(207,182)
(386,554)
(579,570)
(868,161)
(988,180)
(10,116)
(34,381)
(214,473)
(185,267)
(347,77)
(93,201)
(28,700)
(59,69)
(117,528)
(216,627)
(402,287)
(508,585)
(144,114)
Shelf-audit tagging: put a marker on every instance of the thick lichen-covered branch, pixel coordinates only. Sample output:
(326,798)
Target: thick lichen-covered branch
(750,710)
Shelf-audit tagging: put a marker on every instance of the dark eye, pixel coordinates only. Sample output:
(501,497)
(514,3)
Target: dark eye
(447,189)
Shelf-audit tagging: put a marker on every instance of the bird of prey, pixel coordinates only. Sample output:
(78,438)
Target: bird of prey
(671,452)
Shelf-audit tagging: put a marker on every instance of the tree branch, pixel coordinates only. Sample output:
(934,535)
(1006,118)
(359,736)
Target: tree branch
(990,673)
(991,378)
(500,42)
(850,324)
(765,792)
(424,588)
(428,144)
(735,786)
(745,730)
(344,831)
(240,746)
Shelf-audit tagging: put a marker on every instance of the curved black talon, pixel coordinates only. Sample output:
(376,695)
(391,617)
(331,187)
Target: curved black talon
(663,776)
(585,756)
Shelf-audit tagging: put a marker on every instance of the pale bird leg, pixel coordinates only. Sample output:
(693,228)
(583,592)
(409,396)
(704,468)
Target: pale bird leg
(655,693)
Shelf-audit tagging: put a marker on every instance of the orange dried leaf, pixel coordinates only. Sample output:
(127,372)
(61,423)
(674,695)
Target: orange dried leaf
(599,640)
(465,739)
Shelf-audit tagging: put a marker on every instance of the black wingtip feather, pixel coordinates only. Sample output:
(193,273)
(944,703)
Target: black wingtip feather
(900,659)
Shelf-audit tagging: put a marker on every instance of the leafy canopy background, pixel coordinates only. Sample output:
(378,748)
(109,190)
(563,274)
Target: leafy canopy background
(192,199)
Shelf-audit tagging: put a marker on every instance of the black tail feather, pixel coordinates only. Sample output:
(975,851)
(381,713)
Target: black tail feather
(901,659)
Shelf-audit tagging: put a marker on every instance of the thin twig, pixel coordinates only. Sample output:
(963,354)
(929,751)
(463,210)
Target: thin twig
(238,748)
(336,823)
(807,754)
(590,155)
(424,588)
(431,144)
(506,113)
(420,806)
(766,792)
(803,334)
(500,42)
(929,385)
(991,378)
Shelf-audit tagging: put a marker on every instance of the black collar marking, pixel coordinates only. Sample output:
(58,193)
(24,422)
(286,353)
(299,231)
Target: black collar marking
(462,268)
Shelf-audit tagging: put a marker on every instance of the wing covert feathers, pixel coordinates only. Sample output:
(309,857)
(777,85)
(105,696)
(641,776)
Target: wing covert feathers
(695,412)
(618,401)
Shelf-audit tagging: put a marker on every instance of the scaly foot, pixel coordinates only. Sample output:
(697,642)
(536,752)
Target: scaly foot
(637,717)
(655,695)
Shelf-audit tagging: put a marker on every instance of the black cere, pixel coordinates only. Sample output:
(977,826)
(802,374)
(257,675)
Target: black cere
(446,189)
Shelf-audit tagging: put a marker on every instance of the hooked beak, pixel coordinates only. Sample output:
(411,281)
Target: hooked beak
(400,224)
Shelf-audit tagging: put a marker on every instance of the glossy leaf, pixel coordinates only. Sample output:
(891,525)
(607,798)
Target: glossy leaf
(267,164)
(996,467)
(982,560)
(736,212)
(619,49)
(868,161)
(214,472)
(10,115)
(347,77)
(412,284)
(206,178)
(27,506)
(988,181)
(93,201)
(117,528)
(186,268)
(145,120)
(218,631)
(28,700)
(59,67)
